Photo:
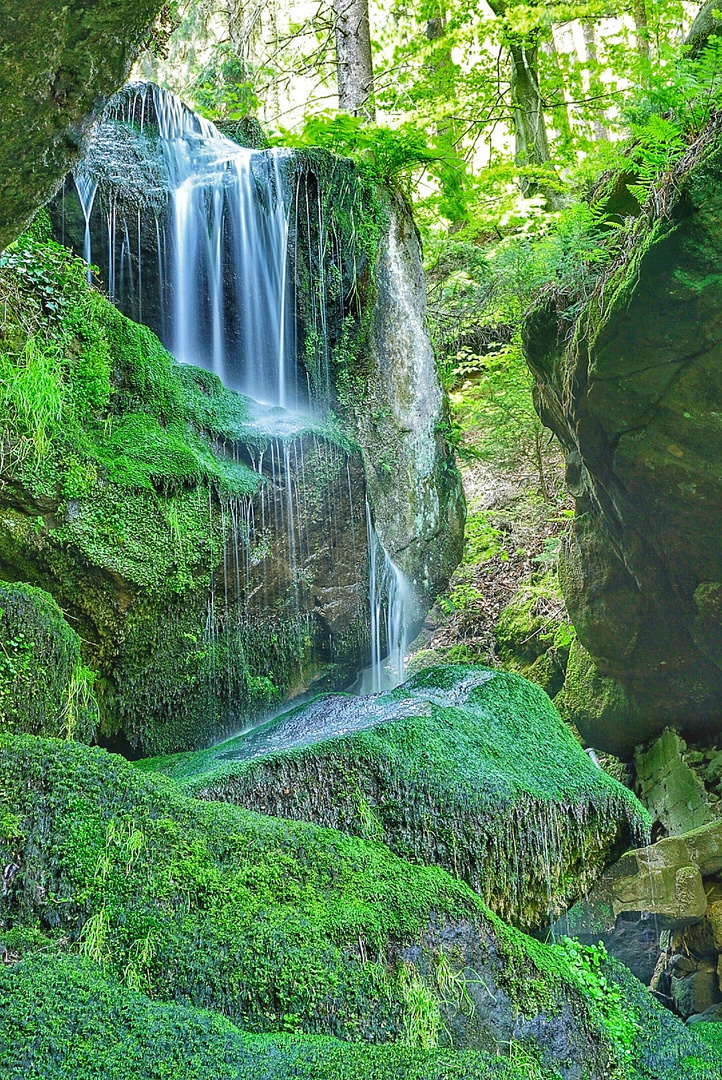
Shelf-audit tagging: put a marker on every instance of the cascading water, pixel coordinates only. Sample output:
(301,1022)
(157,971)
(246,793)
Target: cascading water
(222,244)
(389,602)
(204,261)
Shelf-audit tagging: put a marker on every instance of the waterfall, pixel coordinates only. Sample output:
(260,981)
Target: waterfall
(223,279)
(86,188)
(389,601)
(196,242)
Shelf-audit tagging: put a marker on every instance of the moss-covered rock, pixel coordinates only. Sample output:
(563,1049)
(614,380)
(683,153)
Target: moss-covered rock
(636,398)
(467,768)
(46,1004)
(44,688)
(59,64)
(274,924)
(153,504)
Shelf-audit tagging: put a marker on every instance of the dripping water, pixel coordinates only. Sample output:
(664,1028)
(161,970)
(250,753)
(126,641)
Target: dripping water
(389,604)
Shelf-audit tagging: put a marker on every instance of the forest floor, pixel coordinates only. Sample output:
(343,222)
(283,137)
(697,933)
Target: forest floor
(512,538)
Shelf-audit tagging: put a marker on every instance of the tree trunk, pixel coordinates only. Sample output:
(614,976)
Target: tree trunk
(595,84)
(530,133)
(641,28)
(442,65)
(354,66)
(705,24)
(560,113)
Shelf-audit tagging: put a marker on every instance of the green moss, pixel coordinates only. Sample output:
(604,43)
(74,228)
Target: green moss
(596,703)
(64,1018)
(277,925)
(130,484)
(44,688)
(463,767)
(527,626)
(346,215)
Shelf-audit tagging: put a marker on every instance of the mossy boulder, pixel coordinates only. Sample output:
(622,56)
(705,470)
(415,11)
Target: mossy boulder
(462,767)
(47,1003)
(275,925)
(44,688)
(635,398)
(58,65)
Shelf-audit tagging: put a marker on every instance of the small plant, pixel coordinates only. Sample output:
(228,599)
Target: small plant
(452,985)
(586,963)
(94,938)
(140,955)
(422,1019)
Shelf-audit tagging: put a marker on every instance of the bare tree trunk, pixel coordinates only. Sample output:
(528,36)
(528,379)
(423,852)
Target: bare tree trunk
(530,133)
(601,133)
(354,65)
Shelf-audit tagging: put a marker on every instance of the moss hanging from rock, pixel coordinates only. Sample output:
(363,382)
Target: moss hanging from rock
(462,767)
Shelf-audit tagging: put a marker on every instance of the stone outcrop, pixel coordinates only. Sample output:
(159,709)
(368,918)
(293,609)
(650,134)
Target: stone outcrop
(268,925)
(673,886)
(413,484)
(635,396)
(59,63)
(671,787)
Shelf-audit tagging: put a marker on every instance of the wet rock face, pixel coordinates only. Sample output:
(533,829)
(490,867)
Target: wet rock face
(60,62)
(194,631)
(413,483)
(636,399)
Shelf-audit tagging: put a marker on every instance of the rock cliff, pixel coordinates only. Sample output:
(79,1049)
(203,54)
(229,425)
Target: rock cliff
(635,396)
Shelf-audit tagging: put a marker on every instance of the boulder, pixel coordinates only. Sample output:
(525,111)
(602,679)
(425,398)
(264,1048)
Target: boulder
(697,992)
(201,926)
(670,788)
(44,687)
(58,65)
(635,397)
(463,767)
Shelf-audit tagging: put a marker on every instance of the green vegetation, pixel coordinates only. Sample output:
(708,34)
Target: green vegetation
(44,687)
(280,926)
(87,395)
(126,480)
(463,767)
(46,1004)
